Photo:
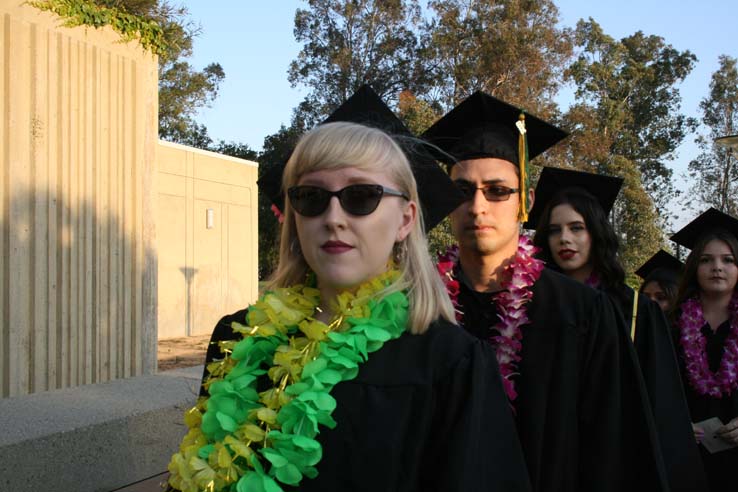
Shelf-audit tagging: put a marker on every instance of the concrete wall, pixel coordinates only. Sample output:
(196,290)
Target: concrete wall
(94,438)
(78,133)
(204,272)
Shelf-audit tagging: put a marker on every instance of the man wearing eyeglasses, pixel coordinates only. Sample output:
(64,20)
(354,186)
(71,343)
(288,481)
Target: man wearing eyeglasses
(569,370)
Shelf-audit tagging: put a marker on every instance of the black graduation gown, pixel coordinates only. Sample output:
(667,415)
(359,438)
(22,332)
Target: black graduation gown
(722,467)
(426,413)
(657,359)
(581,417)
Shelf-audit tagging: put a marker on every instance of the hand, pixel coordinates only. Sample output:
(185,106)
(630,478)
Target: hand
(699,433)
(729,432)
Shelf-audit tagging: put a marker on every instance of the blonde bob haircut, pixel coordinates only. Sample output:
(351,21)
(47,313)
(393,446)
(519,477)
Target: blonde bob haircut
(340,145)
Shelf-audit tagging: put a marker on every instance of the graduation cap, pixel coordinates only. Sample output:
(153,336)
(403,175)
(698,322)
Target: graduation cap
(438,195)
(484,126)
(709,220)
(604,188)
(660,262)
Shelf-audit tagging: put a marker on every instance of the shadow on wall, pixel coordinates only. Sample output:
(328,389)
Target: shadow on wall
(78,287)
(189,275)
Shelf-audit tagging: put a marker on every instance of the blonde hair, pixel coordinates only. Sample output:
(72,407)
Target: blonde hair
(340,145)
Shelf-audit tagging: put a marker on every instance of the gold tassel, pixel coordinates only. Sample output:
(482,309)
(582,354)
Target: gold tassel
(523,165)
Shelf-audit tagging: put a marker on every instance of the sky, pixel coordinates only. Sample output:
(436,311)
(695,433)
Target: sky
(254,43)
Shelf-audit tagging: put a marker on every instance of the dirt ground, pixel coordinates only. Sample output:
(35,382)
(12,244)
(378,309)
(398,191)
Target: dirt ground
(175,353)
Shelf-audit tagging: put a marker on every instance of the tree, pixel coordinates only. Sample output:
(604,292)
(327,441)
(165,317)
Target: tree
(348,43)
(632,85)
(235,149)
(511,49)
(626,122)
(418,116)
(182,89)
(715,170)
(277,150)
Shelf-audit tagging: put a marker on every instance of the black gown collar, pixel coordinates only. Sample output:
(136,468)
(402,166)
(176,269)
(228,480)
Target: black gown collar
(715,343)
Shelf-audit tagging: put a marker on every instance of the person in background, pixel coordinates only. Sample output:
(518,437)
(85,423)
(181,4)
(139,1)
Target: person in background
(569,372)
(705,324)
(577,239)
(660,275)
(349,373)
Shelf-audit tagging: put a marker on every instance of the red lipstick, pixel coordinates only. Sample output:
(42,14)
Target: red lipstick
(566,254)
(335,247)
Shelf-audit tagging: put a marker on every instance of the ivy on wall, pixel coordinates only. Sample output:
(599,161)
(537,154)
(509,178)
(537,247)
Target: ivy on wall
(87,13)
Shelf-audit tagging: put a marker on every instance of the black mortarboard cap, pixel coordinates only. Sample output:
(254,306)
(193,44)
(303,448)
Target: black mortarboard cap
(484,126)
(604,188)
(709,220)
(438,195)
(661,261)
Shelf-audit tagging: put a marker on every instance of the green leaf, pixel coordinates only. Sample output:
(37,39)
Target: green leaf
(226,422)
(297,388)
(326,402)
(274,457)
(329,376)
(312,367)
(306,443)
(376,334)
(289,474)
(204,452)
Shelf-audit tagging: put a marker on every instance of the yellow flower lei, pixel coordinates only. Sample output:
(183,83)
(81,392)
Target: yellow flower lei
(248,441)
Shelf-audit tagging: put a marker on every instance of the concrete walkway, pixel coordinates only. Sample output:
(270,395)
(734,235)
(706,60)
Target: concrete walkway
(94,438)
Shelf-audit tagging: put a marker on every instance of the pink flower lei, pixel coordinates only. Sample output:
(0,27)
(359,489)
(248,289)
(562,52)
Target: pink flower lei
(519,276)
(701,378)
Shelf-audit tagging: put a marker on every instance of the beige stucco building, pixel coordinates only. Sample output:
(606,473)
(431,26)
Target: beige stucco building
(207,229)
(105,231)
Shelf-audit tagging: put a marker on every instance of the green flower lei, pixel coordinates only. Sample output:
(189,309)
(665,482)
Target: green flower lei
(245,441)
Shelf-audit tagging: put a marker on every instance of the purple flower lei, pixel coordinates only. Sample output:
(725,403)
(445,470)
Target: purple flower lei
(593,280)
(701,378)
(520,276)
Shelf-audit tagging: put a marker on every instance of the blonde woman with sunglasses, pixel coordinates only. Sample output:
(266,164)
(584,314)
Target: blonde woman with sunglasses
(350,374)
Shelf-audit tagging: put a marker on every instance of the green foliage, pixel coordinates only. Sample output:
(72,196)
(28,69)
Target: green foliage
(236,149)
(182,92)
(89,13)
(440,238)
(626,122)
(167,31)
(416,113)
(635,218)
(277,149)
(628,99)
(511,49)
(349,43)
(715,170)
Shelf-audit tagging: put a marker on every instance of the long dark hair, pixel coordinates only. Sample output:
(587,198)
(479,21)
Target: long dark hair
(605,244)
(668,282)
(689,287)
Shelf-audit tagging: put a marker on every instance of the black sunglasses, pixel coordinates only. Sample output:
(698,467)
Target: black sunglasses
(493,193)
(358,199)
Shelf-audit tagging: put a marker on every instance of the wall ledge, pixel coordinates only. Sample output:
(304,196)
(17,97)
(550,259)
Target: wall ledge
(95,437)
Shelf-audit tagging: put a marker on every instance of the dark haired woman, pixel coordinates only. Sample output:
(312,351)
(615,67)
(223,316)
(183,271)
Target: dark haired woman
(706,333)
(660,276)
(576,238)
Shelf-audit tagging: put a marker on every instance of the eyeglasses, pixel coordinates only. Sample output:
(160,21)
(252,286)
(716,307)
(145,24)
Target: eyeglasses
(358,199)
(493,193)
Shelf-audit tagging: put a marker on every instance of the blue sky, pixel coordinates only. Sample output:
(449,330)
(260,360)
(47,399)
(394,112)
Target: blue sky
(254,43)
